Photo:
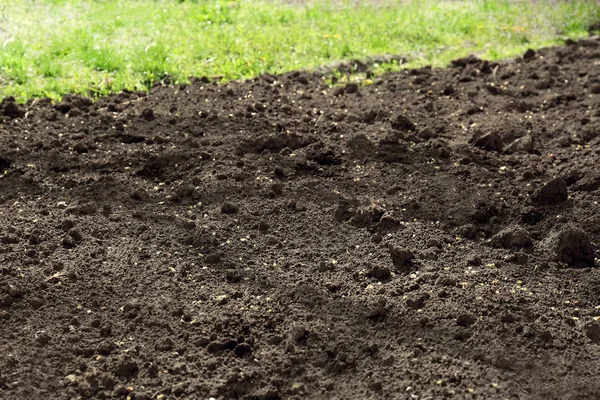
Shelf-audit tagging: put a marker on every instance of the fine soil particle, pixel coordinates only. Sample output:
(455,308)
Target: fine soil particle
(431,235)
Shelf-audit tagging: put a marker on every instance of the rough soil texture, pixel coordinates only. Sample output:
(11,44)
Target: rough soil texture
(431,235)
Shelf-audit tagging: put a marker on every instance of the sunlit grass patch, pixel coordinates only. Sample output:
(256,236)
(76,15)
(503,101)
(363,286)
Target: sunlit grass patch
(52,47)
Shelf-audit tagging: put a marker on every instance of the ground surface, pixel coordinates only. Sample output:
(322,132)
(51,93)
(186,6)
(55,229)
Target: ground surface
(282,239)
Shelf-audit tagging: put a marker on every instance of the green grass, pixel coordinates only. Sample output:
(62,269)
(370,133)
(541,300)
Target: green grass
(52,47)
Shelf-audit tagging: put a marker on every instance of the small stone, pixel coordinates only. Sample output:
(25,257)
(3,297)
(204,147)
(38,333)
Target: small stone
(553,192)
(513,237)
(229,208)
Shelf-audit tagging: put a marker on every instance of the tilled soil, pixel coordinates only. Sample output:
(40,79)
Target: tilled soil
(430,235)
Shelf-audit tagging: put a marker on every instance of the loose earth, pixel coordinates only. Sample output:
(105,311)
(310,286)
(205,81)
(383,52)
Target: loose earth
(431,235)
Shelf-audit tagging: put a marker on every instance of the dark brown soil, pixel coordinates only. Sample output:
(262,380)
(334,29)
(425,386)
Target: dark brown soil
(430,235)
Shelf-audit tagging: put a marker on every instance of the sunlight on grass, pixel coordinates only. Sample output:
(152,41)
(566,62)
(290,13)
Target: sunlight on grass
(53,47)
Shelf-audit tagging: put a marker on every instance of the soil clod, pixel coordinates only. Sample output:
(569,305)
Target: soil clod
(401,258)
(514,237)
(402,123)
(552,192)
(229,208)
(572,245)
(487,141)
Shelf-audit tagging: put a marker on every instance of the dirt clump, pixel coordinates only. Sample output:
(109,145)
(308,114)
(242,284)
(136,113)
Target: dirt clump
(572,246)
(552,192)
